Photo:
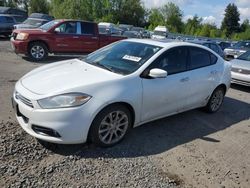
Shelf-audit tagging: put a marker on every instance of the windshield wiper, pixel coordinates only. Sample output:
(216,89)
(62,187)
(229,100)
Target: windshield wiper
(103,66)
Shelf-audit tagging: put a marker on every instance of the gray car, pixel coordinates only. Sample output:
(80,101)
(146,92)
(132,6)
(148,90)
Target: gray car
(241,69)
(212,45)
(238,49)
(35,20)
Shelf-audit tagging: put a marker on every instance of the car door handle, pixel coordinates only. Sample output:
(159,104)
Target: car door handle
(184,79)
(75,37)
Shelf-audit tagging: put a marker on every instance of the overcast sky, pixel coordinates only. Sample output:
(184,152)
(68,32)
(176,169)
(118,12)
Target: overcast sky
(212,11)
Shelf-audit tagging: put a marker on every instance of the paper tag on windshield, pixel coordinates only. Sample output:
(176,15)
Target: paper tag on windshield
(132,58)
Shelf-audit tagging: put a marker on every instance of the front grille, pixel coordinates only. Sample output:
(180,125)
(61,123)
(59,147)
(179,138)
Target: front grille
(241,82)
(241,71)
(24,100)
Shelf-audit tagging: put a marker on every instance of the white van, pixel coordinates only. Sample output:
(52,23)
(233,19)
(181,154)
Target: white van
(160,32)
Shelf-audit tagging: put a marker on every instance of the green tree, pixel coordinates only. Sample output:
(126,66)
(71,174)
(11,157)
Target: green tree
(245,25)
(173,17)
(192,25)
(39,6)
(231,20)
(77,9)
(128,12)
(155,18)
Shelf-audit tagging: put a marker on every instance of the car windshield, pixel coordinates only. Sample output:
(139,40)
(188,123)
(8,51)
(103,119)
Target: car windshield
(160,33)
(242,44)
(48,25)
(34,22)
(245,56)
(122,57)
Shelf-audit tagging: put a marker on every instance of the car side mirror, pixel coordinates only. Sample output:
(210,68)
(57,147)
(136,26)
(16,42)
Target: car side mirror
(157,73)
(57,30)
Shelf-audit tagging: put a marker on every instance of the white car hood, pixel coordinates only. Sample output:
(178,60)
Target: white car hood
(65,75)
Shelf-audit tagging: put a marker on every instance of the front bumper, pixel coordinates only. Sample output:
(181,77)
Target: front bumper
(20,47)
(70,125)
(241,79)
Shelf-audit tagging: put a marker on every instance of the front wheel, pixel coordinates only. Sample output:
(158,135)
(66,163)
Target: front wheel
(215,100)
(38,51)
(110,126)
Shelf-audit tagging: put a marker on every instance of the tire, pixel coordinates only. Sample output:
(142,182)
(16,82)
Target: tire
(215,100)
(110,126)
(38,51)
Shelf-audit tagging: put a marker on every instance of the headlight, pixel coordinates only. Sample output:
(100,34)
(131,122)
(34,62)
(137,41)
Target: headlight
(22,36)
(64,100)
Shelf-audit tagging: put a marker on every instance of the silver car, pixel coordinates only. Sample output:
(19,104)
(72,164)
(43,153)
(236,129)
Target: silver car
(241,69)
(238,49)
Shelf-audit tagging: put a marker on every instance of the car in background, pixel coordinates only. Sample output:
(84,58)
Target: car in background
(18,14)
(237,49)
(125,27)
(212,45)
(139,30)
(109,28)
(146,34)
(121,86)
(241,69)
(224,44)
(35,20)
(160,32)
(7,23)
(132,34)
(60,37)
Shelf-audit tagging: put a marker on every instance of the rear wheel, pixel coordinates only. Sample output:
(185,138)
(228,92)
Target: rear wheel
(215,100)
(110,126)
(38,51)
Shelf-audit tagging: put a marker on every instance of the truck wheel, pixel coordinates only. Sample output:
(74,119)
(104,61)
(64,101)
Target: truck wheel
(38,51)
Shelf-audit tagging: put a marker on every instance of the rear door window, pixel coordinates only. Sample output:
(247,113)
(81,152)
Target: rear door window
(213,58)
(87,28)
(198,58)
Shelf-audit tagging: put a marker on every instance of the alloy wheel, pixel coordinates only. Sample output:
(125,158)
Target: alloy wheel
(113,127)
(216,100)
(37,52)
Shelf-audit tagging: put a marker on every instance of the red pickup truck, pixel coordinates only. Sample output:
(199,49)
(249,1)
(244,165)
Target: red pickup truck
(60,36)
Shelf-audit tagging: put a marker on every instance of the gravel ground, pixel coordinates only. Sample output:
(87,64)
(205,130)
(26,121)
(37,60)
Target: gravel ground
(192,149)
(26,163)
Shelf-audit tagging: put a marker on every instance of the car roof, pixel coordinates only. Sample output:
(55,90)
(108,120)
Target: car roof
(71,20)
(202,42)
(7,15)
(165,43)
(41,16)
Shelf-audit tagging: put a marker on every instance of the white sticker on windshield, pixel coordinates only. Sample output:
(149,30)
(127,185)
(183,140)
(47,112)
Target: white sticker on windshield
(132,58)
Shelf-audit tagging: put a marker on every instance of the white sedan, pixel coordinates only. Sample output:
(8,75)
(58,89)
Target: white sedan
(121,86)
